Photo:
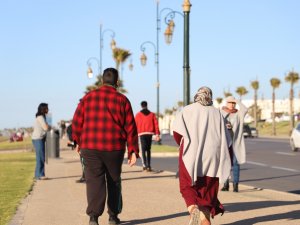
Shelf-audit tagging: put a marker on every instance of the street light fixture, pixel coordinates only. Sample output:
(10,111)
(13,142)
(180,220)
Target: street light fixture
(171,25)
(168,35)
(143,59)
(130,66)
(90,71)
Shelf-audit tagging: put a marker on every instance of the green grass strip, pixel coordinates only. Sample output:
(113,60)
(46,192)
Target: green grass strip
(163,148)
(25,144)
(16,175)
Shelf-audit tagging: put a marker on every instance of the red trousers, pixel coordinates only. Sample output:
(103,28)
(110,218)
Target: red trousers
(203,193)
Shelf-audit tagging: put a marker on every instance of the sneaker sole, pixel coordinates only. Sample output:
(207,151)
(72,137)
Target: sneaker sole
(195,217)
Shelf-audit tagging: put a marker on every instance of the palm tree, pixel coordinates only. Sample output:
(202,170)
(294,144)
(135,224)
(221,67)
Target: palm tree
(227,93)
(120,56)
(219,100)
(275,82)
(168,111)
(255,86)
(241,90)
(94,86)
(292,78)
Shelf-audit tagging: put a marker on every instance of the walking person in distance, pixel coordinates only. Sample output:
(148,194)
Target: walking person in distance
(234,122)
(147,126)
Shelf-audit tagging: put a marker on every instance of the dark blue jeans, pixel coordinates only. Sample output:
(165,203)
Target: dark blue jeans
(235,170)
(39,146)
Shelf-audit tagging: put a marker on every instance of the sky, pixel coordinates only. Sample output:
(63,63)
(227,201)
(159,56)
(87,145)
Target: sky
(45,45)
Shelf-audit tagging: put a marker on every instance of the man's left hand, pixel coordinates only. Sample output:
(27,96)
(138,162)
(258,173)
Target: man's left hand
(157,138)
(132,159)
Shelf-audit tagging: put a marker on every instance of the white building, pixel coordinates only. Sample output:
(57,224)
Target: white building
(282,107)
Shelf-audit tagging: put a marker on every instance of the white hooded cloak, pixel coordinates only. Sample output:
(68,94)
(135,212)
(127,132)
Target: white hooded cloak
(206,141)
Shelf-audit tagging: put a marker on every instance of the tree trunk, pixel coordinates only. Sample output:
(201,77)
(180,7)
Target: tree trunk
(291,109)
(273,113)
(255,108)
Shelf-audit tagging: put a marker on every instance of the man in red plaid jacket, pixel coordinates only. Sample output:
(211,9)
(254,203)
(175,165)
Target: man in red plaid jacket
(102,125)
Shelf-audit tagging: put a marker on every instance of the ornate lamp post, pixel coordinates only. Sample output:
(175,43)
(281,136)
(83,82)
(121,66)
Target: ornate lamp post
(143,59)
(112,43)
(168,37)
(186,52)
(99,61)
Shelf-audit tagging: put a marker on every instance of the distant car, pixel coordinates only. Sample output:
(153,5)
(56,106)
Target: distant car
(247,131)
(254,132)
(295,138)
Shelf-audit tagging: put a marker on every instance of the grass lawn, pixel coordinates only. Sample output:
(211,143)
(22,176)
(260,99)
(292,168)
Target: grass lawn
(163,148)
(16,175)
(25,144)
(282,129)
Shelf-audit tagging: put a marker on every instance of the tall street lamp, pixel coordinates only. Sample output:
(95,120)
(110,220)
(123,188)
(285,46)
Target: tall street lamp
(156,48)
(186,52)
(143,59)
(168,37)
(112,45)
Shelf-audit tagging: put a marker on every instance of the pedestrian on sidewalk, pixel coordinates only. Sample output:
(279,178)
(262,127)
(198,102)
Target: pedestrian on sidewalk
(38,137)
(63,128)
(204,158)
(234,122)
(147,126)
(102,125)
(72,145)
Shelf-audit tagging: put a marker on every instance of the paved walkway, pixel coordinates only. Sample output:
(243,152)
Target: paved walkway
(149,198)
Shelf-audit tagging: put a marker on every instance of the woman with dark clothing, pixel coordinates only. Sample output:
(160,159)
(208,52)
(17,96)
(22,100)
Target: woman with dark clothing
(38,140)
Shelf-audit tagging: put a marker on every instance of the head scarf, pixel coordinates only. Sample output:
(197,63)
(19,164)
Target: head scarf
(204,96)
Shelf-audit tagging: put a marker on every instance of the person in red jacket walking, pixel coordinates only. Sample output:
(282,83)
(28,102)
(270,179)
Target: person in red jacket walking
(147,126)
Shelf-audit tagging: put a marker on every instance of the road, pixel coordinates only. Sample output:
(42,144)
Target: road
(270,164)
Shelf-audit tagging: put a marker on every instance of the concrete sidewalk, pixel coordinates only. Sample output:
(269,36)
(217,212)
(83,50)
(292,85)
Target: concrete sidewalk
(149,198)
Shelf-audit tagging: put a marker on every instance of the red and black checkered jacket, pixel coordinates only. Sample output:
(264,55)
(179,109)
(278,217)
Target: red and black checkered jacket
(104,121)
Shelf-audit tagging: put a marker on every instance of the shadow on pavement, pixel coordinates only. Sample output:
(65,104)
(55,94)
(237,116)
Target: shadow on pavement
(132,171)
(56,178)
(148,177)
(295,192)
(260,219)
(270,178)
(245,206)
(154,219)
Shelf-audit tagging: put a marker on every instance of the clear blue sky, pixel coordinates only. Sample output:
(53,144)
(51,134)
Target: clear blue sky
(45,44)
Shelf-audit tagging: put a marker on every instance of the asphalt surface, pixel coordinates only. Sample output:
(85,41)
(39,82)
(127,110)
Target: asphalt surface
(270,164)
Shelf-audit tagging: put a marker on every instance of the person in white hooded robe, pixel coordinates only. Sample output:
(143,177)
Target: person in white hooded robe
(204,158)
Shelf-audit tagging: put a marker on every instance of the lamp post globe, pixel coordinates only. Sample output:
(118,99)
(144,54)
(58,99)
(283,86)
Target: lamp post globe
(90,73)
